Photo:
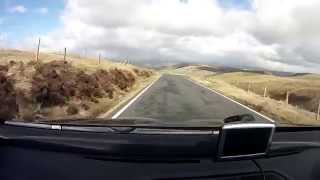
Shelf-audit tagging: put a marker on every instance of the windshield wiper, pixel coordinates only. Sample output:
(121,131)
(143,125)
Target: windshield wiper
(100,121)
(86,122)
(71,127)
(119,128)
(136,125)
(126,122)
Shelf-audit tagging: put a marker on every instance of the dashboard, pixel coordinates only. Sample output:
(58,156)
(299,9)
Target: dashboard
(20,159)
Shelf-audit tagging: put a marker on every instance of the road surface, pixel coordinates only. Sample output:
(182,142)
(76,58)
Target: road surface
(174,97)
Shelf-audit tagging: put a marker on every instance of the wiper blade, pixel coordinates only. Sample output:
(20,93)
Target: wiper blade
(119,129)
(102,121)
(136,125)
(135,122)
(71,127)
(33,125)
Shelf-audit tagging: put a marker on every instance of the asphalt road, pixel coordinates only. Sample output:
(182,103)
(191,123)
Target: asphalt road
(176,98)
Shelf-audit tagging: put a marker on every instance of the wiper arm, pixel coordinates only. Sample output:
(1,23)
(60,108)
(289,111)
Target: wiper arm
(135,125)
(86,122)
(102,121)
(33,125)
(116,128)
(71,127)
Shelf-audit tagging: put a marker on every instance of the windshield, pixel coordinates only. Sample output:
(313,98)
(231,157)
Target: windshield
(159,62)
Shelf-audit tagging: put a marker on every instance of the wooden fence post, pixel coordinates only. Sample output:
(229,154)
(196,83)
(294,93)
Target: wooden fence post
(99,58)
(38,49)
(265,92)
(287,97)
(318,113)
(65,54)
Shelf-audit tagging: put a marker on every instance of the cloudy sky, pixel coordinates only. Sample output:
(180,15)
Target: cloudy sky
(275,34)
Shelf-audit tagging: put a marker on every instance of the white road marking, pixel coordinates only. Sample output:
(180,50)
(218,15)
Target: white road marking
(212,90)
(133,100)
(265,117)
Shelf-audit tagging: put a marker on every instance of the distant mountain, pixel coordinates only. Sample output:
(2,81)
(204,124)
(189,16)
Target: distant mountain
(219,69)
(175,66)
(222,69)
(300,74)
(181,65)
(226,69)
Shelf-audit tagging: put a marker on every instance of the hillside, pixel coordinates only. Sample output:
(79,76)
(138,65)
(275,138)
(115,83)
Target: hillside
(249,87)
(54,88)
(304,91)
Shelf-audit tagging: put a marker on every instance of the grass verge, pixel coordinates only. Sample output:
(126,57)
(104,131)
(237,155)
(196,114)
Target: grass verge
(284,114)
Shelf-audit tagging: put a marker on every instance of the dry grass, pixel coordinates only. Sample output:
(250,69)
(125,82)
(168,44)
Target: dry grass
(86,64)
(234,85)
(104,108)
(22,68)
(304,91)
(124,98)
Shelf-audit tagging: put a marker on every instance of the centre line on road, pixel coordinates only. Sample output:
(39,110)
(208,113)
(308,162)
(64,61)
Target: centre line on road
(216,92)
(133,100)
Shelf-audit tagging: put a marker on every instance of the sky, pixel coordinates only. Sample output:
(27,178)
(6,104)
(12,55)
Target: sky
(282,35)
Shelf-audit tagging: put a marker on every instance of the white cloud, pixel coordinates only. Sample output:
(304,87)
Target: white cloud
(280,35)
(42,10)
(18,9)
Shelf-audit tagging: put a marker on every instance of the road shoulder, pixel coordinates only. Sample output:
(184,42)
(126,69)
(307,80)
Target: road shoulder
(125,100)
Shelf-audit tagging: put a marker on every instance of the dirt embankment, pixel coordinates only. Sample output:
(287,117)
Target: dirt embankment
(58,89)
(8,107)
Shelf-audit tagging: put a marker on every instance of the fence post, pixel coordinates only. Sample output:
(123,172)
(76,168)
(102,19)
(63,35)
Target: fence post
(65,54)
(287,97)
(265,92)
(249,87)
(38,49)
(318,113)
(99,58)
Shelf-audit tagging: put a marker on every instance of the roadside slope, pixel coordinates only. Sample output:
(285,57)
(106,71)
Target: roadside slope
(52,88)
(235,86)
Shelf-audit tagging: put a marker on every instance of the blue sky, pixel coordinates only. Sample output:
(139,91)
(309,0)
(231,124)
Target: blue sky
(235,4)
(26,18)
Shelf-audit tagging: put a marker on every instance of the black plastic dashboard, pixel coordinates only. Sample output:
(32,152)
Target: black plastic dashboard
(179,156)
